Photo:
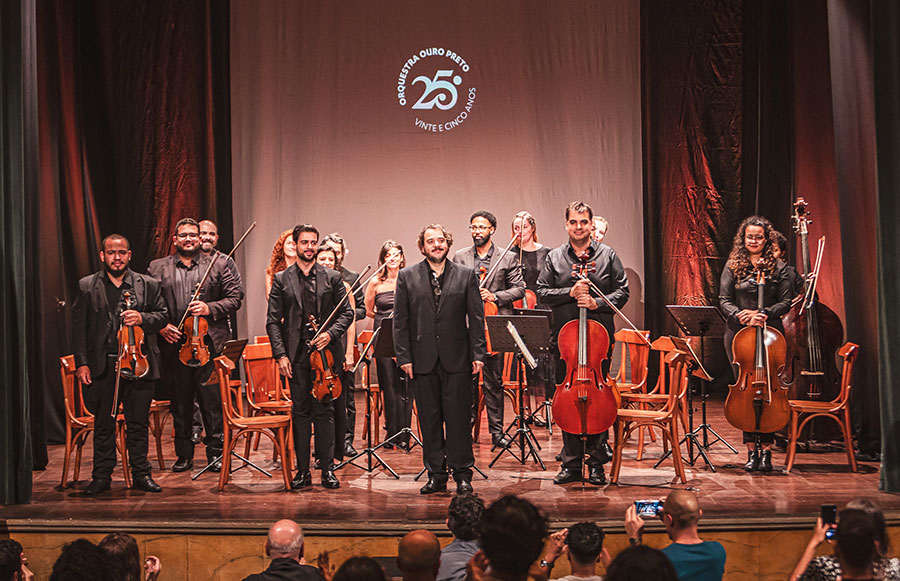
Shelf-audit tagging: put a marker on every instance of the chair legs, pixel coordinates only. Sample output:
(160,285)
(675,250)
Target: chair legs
(669,434)
(280,442)
(797,427)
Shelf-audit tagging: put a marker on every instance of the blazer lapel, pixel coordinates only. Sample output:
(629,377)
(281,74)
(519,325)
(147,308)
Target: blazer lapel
(449,277)
(495,258)
(100,291)
(320,290)
(291,279)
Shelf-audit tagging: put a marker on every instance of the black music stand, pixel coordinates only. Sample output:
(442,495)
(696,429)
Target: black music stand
(546,406)
(699,321)
(520,334)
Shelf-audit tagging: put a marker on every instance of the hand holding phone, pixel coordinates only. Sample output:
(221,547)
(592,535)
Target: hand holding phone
(829,519)
(648,508)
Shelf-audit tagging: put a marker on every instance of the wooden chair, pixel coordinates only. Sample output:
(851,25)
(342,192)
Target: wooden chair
(634,359)
(666,418)
(373,392)
(160,410)
(80,423)
(236,425)
(265,387)
(838,409)
(260,339)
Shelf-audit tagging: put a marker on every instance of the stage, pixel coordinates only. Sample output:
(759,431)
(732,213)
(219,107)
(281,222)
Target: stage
(370,510)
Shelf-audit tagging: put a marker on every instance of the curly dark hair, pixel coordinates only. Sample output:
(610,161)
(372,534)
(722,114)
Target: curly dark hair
(464,516)
(739,259)
(10,558)
(512,535)
(382,256)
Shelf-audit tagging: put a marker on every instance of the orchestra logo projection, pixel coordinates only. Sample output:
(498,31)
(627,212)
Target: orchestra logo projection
(432,84)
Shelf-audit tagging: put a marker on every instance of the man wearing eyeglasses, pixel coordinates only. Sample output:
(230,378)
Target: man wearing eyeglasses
(179,274)
(439,343)
(501,283)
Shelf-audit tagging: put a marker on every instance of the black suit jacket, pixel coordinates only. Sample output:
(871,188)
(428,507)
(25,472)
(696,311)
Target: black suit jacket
(220,291)
(283,320)
(93,320)
(285,569)
(421,331)
(505,282)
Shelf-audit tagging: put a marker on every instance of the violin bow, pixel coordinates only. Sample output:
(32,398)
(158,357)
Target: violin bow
(497,262)
(353,288)
(609,303)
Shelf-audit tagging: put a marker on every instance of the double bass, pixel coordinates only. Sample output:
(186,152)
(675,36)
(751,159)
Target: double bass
(758,402)
(584,403)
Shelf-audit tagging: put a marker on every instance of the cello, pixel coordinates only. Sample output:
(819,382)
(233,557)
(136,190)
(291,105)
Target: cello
(758,402)
(814,334)
(584,403)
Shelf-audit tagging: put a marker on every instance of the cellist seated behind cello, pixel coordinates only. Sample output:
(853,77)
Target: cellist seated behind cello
(558,289)
(753,249)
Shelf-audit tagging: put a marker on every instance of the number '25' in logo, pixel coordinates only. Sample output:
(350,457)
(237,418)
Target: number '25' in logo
(438,93)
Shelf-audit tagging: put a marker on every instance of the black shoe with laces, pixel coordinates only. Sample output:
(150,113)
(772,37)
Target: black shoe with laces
(752,464)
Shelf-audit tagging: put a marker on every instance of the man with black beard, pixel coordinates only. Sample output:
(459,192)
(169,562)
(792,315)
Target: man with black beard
(501,284)
(179,274)
(98,313)
(439,343)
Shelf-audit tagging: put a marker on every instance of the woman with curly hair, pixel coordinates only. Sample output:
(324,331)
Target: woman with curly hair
(753,251)
(284,254)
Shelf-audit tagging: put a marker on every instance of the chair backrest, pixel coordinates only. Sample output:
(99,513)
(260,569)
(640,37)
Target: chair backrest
(634,357)
(72,392)
(262,374)
(224,367)
(677,369)
(260,339)
(664,346)
(848,352)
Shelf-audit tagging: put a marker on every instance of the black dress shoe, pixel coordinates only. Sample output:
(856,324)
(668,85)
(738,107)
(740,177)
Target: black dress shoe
(752,464)
(318,464)
(388,446)
(565,476)
(464,487)
(301,481)
(500,441)
(349,450)
(215,466)
(559,457)
(183,465)
(433,486)
(596,475)
(329,480)
(765,461)
(539,422)
(146,483)
(197,435)
(96,487)
(403,446)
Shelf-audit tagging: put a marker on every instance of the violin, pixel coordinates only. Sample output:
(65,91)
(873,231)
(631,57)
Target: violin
(324,382)
(194,350)
(584,403)
(529,301)
(758,402)
(814,334)
(132,362)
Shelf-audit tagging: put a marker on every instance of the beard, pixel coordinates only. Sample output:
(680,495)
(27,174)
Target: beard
(481,239)
(437,258)
(188,253)
(113,272)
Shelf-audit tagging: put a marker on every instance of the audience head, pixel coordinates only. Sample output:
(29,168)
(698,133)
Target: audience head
(124,557)
(419,555)
(512,535)
(640,563)
(870,508)
(680,511)
(285,540)
(82,560)
(360,569)
(464,516)
(855,547)
(10,559)
(585,542)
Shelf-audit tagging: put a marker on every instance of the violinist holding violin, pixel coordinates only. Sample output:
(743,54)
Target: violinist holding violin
(558,289)
(754,250)
(220,295)
(501,284)
(307,290)
(98,314)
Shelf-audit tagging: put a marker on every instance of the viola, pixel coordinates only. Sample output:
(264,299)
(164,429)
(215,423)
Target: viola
(132,362)
(814,334)
(194,350)
(584,403)
(529,301)
(758,402)
(324,381)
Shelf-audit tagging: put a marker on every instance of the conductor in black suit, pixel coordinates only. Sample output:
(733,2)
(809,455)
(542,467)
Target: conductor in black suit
(302,290)
(97,314)
(439,343)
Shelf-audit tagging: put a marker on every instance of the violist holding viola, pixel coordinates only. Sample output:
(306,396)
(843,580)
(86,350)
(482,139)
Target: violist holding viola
(558,289)
(754,252)
(500,283)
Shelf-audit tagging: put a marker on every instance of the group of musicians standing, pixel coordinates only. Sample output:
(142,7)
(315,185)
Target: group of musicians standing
(437,307)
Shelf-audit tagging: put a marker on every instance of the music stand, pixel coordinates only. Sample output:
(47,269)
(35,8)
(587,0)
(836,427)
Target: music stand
(699,321)
(549,385)
(520,334)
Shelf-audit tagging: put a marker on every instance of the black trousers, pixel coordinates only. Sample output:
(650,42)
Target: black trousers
(492,373)
(135,397)
(186,384)
(397,400)
(307,410)
(444,401)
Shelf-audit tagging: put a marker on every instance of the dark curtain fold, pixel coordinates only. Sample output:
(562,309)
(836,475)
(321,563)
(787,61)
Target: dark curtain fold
(886,74)
(16,73)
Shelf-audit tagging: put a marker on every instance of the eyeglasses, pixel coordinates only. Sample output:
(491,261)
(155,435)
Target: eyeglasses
(480,228)
(754,237)
(184,235)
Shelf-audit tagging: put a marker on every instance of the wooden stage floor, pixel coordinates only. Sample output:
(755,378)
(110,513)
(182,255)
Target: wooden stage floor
(376,503)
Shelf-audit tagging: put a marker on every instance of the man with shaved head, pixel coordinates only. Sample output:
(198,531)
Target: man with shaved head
(692,557)
(284,546)
(419,556)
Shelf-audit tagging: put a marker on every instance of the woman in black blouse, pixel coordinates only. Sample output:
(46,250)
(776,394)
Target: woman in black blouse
(753,249)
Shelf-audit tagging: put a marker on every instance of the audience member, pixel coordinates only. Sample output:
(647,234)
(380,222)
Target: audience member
(464,521)
(13,564)
(583,545)
(694,559)
(512,536)
(125,559)
(828,567)
(641,563)
(360,569)
(284,546)
(82,560)
(419,556)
